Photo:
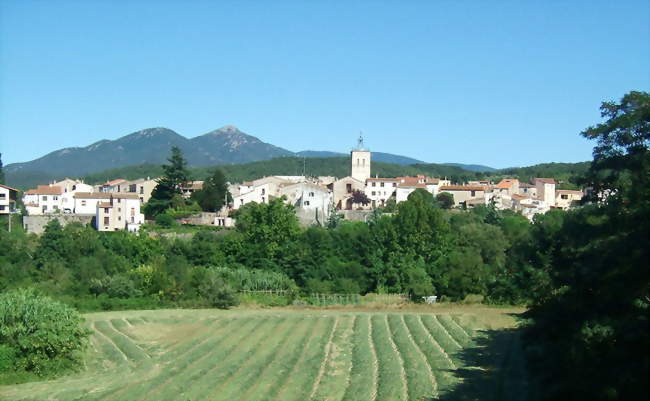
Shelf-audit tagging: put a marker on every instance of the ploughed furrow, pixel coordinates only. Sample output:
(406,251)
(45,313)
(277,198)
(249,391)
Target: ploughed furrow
(323,364)
(196,363)
(455,330)
(249,372)
(392,377)
(123,337)
(363,375)
(220,364)
(300,383)
(272,375)
(135,321)
(421,380)
(174,365)
(128,347)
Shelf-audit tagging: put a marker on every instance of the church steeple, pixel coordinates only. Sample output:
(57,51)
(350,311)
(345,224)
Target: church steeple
(360,161)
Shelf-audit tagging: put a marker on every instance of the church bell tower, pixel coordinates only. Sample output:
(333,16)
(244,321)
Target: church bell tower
(360,161)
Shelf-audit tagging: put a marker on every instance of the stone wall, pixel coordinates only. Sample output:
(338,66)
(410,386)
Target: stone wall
(36,224)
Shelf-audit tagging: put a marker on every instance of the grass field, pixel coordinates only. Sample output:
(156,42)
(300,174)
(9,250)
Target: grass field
(294,355)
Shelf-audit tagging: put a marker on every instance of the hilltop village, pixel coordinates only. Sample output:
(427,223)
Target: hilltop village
(117,204)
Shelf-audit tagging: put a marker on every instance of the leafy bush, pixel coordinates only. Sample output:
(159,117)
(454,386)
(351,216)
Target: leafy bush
(165,220)
(7,358)
(218,294)
(44,335)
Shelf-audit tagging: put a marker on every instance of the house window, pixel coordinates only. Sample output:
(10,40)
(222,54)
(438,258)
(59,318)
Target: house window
(141,190)
(565,196)
(44,198)
(374,184)
(119,218)
(241,201)
(3,196)
(132,211)
(381,184)
(394,184)
(105,210)
(106,220)
(306,203)
(262,199)
(83,203)
(55,197)
(2,207)
(373,193)
(119,209)
(141,200)
(473,193)
(311,194)
(55,207)
(263,192)
(348,187)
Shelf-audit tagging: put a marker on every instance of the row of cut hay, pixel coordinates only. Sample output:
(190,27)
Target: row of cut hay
(202,378)
(455,330)
(363,375)
(421,382)
(274,374)
(336,376)
(392,377)
(252,367)
(440,362)
(183,358)
(299,385)
(199,361)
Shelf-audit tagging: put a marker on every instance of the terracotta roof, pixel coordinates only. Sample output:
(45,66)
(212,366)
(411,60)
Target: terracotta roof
(9,188)
(525,185)
(545,180)
(45,190)
(105,195)
(383,179)
(411,186)
(519,197)
(507,183)
(115,182)
(462,188)
(430,180)
(569,191)
(104,204)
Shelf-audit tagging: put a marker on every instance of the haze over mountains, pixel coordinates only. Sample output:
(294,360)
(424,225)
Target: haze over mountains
(226,145)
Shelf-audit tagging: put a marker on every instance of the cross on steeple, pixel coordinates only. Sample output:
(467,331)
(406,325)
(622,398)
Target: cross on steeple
(360,141)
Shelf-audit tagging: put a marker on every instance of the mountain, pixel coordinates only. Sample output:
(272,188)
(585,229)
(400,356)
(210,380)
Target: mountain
(376,157)
(472,167)
(226,145)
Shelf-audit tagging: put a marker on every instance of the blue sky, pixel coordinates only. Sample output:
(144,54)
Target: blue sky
(503,83)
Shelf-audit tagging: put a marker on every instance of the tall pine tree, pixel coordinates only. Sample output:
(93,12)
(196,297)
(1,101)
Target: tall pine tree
(169,188)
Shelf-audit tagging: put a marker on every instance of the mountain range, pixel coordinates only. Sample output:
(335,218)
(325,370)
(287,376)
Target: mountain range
(224,146)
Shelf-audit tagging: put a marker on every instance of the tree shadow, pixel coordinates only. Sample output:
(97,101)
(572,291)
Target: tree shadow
(493,369)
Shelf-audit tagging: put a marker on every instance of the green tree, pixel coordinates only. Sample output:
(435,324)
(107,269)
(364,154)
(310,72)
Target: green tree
(169,185)
(445,200)
(214,193)
(588,336)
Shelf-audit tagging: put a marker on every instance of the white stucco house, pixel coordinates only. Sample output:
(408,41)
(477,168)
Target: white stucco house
(118,211)
(8,197)
(44,199)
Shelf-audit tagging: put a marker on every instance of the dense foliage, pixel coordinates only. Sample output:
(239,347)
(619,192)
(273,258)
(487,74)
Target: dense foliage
(588,338)
(38,334)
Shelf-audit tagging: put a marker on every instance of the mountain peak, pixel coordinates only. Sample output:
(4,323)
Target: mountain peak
(227,129)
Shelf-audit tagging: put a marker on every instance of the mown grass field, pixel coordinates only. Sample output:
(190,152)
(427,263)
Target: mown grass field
(287,355)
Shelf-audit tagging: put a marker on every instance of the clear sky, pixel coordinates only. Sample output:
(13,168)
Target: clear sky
(501,83)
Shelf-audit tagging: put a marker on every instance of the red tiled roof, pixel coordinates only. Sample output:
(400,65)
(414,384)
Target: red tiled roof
(519,197)
(105,195)
(545,180)
(569,192)
(507,183)
(115,182)
(9,188)
(45,190)
(411,186)
(462,188)
(383,179)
